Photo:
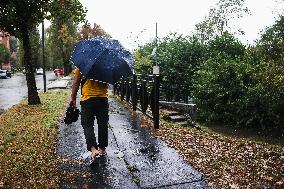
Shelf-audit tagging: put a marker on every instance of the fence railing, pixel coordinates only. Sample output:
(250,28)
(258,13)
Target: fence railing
(171,93)
(146,94)
(142,92)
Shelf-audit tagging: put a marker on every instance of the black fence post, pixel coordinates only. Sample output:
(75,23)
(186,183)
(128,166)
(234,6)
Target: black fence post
(127,89)
(118,88)
(134,92)
(185,96)
(122,90)
(143,101)
(156,101)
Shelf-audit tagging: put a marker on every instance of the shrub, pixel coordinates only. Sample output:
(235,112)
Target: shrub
(237,92)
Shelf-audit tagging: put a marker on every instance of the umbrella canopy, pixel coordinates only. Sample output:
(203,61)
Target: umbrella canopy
(103,59)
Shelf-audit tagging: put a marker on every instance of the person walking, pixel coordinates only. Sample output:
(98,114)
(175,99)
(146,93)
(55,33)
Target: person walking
(94,105)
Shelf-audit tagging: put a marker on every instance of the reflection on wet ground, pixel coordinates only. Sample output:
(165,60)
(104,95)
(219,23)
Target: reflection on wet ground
(149,155)
(135,159)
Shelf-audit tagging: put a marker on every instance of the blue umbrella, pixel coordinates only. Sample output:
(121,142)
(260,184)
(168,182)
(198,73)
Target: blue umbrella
(102,59)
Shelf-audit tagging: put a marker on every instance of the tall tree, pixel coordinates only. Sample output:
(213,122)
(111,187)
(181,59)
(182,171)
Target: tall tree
(272,41)
(36,48)
(4,54)
(65,23)
(60,43)
(87,31)
(19,18)
(221,19)
(13,50)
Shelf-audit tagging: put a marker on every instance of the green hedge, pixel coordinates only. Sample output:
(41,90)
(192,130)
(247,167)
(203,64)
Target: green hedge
(230,82)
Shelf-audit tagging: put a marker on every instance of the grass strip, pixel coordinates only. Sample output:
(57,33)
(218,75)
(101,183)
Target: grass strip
(28,135)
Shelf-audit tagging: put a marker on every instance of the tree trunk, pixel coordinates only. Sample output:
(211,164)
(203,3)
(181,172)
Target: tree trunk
(66,63)
(33,97)
(66,67)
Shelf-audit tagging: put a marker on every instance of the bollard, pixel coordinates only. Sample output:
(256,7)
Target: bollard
(134,92)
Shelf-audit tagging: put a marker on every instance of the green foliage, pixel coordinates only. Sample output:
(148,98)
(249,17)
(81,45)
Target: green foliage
(219,86)
(242,86)
(36,49)
(65,10)
(145,64)
(239,92)
(4,54)
(63,34)
(267,98)
(17,15)
(178,58)
(226,45)
(218,20)
(60,43)
(88,32)
(20,57)
(13,44)
(272,41)
(144,60)
(52,101)
(36,55)
(19,18)
(229,82)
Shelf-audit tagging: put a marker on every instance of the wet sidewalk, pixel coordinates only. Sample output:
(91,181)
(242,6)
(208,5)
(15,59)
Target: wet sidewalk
(135,159)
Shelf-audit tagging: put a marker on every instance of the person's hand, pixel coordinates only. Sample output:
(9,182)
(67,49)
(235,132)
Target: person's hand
(72,103)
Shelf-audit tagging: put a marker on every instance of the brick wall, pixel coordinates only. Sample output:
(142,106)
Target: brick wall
(5,40)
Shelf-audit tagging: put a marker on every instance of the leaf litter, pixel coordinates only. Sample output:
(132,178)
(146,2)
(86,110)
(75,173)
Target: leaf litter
(28,135)
(226,161)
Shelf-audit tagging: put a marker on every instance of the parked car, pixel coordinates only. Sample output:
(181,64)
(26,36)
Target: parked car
(39,71)
(5,74)
(58,72)
(9,73)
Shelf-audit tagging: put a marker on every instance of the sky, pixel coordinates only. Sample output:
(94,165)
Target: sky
(129,20)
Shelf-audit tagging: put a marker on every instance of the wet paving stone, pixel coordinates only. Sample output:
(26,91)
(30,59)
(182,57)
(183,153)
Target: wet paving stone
(134,158)
(158,165)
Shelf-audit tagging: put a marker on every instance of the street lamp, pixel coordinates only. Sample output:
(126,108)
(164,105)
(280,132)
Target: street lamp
(43,58)
(156,70)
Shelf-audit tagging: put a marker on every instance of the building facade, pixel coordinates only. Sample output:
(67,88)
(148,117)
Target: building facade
(5,40)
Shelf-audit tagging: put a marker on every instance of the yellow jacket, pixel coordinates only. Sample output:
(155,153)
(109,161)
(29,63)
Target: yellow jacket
(91,88)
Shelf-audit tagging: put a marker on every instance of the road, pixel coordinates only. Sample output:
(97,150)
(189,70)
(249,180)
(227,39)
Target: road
(14,89)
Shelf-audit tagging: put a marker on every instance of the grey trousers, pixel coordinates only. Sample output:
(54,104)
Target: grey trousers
(91,109)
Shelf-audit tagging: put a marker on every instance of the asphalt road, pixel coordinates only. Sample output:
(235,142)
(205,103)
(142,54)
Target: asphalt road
(14,89)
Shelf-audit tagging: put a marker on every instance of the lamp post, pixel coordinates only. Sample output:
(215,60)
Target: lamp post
(156,84)
(154,54)
(43,58)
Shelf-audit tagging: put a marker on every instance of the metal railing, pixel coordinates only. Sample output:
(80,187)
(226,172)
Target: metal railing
(172,93)
(142,92)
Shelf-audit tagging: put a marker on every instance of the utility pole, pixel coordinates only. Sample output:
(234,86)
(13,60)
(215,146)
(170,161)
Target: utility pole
(156,72)
(43,58)
(156,41)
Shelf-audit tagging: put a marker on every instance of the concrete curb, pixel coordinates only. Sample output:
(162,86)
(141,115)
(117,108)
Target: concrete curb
(59,83)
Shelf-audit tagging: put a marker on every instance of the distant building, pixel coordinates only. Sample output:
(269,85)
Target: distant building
(5,40)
